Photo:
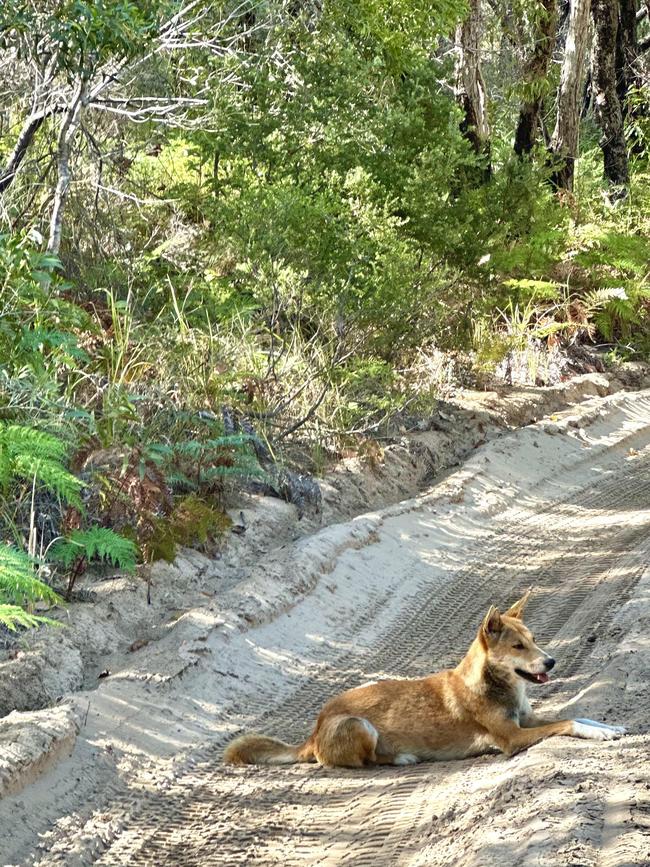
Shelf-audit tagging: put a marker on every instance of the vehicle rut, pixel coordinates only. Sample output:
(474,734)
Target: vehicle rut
(584,553)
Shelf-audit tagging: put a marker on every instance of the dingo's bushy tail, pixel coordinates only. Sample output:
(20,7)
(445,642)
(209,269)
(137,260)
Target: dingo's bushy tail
(262,750)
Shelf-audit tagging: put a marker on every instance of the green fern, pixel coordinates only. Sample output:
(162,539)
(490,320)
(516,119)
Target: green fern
(246,466)
(599,298)
(616,319)
(26,453)
(62,342)
(198,448)
(95,544)
(13,616)
(229,441)
(190,464)
(533,290)
(19,439)
(18,584)
(177,479)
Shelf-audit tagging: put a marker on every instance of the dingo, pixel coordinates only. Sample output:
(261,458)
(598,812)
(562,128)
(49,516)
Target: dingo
(479,705)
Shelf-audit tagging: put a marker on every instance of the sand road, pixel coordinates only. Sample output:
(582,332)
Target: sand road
(563,505)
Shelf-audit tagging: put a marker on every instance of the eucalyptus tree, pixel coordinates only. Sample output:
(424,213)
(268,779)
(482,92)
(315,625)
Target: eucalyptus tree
(469,85)
(564,141)
(535,72)
(74,61)
(608,110)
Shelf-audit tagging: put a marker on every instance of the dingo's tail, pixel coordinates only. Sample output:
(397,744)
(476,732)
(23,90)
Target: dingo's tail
(260,750)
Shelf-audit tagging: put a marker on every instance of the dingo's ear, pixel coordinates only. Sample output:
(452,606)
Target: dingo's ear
(492,623)
(517,609)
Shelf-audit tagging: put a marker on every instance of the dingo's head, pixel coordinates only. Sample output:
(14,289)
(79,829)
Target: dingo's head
(510,645)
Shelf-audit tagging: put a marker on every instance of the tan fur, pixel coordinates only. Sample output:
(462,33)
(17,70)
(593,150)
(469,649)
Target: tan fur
(260,750)
(465,711)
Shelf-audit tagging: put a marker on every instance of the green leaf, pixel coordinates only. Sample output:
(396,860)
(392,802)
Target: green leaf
(95,544)
(26,453)
(18,583)
(12,617)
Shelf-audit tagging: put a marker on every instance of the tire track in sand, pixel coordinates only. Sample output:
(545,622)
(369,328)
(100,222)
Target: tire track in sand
(583,556)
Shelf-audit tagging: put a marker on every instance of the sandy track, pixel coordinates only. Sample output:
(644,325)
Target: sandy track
(406,602)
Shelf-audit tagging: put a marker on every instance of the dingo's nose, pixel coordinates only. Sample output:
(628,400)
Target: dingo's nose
(549,662)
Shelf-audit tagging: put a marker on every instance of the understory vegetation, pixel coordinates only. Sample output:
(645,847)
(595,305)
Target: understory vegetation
(229,230)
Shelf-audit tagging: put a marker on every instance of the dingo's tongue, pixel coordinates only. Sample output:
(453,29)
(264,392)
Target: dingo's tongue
(542,678)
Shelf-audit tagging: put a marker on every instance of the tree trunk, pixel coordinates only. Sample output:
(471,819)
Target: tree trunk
(66,135)
(631,76)
(626,49)
(26,137)
(535,72)
(470,89)
(564,142)
(609,115)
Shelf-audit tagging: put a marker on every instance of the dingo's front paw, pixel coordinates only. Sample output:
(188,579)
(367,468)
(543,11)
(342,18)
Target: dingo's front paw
(405,759)
(595,731)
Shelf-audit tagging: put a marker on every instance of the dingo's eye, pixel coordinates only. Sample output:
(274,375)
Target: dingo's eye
(519,646)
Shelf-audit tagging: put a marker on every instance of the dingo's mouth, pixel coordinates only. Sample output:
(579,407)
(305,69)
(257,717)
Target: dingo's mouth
(533,678)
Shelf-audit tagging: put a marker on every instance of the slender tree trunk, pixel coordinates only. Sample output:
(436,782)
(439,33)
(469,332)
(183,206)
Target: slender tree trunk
(631,69)
(25,139)
(564,142)
(42,107)
(535,72)
(609,115)
(470,89)
(644,43)
(68,131)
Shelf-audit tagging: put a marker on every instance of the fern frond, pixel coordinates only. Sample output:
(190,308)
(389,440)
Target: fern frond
(195,448)
(50,474)
(624,310)
(5,468)
(189,448)
(229,441)
(18,439)
(605,325)
(158,452)
(13,616)
(97,543)
(534,290)
(599,298)
(242,468)
(27,453)
(18,584)
(219,456)
(180,480)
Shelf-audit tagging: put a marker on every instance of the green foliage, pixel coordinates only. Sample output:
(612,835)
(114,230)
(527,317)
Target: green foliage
(18,583)
(293,225)
(614,313)
(193,521)
(19,588)
(161,544)
(607,248)
(200,463)
(13,617)
(95,544)
(81,35)
(28,454)
(394,33)
(371,393)
(532,290)
(637,128)
(33,344)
